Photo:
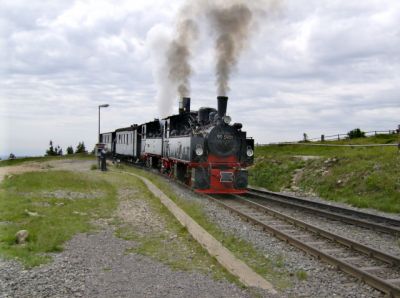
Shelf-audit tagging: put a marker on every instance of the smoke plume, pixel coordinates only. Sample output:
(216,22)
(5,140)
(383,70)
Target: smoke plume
(233,22)
(232,27)
(178,56)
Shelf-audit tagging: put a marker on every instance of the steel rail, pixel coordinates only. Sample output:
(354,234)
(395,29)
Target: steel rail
(381,284)
(351,216)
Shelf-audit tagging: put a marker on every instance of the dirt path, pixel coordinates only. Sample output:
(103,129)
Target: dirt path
(67,165)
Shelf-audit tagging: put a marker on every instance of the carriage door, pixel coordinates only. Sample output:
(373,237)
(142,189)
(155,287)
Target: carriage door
(144,139)
(166,139)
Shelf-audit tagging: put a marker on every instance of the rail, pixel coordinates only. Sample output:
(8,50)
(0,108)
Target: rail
(355,217)
(317,240)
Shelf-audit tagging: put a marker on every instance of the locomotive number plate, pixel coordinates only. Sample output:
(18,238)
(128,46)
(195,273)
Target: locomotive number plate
(224,137)
(226,177)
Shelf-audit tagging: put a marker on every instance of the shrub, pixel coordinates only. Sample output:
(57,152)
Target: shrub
(356,133)
(81,148)
(70,150)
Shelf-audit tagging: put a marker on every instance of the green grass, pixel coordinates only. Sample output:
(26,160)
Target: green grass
(301,275)
(18,161)
(242,249)
(58,218)
(173,246)
(361,176)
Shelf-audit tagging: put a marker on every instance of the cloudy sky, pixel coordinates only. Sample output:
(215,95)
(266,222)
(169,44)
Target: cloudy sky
(316,66)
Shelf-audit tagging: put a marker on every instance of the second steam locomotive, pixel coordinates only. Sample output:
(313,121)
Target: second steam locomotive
(200,148)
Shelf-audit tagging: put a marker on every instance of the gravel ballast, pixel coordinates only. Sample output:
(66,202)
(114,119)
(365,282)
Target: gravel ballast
(322,279)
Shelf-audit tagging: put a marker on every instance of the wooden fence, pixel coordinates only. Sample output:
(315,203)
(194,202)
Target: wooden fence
(338,137)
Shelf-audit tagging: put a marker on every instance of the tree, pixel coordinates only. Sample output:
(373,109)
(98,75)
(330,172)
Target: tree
(356,133)
(81,148)
(51,151)
(59,151)
(12,156)
(305,137)
(70,150)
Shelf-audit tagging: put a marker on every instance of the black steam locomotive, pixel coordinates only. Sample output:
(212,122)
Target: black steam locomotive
(200,148)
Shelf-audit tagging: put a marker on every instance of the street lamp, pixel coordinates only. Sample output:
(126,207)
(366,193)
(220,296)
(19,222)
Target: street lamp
(101,106)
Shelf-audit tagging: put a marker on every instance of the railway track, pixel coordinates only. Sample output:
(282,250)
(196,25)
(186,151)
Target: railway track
(366,220)
(374,267)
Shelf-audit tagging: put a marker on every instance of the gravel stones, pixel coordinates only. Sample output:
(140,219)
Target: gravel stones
(97,265)
(21,236)
(322,280)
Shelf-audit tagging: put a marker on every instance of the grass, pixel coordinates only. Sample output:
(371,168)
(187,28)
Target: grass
(58,218)
(173,246)
(361,176)
(242,249)
(301,275)
(18,161)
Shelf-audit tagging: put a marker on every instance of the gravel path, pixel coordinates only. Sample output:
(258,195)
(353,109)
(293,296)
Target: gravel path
(322,279)
(96,265)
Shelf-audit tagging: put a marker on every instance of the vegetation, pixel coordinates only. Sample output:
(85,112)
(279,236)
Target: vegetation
(70,150)
(242,249)
(301,275)
(81,148)
(361,176)
(356,133)
(171,244)
(41,203)
(18,161)
(53,151)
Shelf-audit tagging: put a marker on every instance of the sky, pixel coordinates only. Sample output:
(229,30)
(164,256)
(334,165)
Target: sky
(315,67)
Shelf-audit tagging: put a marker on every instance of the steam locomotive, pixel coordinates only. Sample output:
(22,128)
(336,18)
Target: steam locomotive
(200,148)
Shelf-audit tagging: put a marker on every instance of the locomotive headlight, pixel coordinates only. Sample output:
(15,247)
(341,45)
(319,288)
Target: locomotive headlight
(199,150)
(227,119)
(249,152)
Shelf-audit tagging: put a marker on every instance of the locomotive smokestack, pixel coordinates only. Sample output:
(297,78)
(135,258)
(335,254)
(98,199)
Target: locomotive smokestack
(180,106)
(222,104)
(186,104)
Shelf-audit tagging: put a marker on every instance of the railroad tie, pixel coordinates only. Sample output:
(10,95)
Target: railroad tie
(350,259)
(316,243)
(393,281)
(332,251)
(372,268)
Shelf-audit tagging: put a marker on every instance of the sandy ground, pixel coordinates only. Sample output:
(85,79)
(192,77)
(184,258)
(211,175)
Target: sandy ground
(68,165)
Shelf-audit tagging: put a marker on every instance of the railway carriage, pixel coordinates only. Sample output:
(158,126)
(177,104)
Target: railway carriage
(107,139)
(152,140)
(127,143)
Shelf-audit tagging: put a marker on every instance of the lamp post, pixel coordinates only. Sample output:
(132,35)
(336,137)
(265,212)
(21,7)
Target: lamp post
(101,106)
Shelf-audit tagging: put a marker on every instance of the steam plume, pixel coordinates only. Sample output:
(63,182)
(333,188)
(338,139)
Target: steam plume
(233,22)
(178,56)
(232,27)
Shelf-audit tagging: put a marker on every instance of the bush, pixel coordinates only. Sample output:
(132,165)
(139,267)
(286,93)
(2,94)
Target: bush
(356,133)
(53,151)
(81,148)
(70,150)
